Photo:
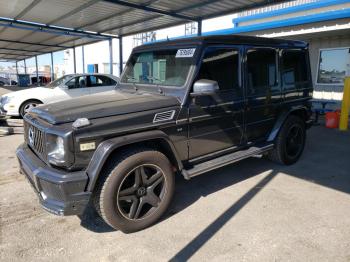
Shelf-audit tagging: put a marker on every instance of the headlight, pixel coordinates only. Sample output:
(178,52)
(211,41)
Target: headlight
(56,152)
(6,99)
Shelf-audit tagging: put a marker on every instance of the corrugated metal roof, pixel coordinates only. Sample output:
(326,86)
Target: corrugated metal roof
(88,21)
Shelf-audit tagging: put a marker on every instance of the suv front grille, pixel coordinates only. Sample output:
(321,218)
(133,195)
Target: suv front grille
(35,138)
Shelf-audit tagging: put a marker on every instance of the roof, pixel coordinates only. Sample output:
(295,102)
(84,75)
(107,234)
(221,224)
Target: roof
(222,39)
(92,74)
(33,27)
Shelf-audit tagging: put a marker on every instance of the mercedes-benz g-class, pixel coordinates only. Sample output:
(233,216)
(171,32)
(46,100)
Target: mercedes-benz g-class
(182,107)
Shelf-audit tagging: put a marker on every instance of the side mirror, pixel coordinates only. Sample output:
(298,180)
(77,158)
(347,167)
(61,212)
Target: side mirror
(204,87)
(64,87)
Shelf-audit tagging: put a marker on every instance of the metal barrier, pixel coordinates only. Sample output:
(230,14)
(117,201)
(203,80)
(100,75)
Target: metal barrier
(344,117)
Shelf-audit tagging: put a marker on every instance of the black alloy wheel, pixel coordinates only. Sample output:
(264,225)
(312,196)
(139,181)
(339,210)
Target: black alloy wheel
(290,141)
(141,191)
(294,141)
(135,189)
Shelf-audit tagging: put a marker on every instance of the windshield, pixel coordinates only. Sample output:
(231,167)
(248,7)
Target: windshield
(59,81)
(163,67)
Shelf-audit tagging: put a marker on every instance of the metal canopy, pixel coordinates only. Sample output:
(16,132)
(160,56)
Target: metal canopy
(34,27)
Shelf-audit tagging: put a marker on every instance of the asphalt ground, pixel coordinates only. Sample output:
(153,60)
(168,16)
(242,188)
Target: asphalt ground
(254,210)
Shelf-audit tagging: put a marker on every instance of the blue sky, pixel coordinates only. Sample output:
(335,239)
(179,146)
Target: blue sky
(42,60)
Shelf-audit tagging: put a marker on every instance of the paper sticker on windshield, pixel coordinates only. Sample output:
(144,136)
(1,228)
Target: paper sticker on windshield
(185,52)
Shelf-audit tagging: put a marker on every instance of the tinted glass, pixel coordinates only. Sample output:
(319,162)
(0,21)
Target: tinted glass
(294,67)
(100,81)
(221,65)
(262,71)
(333,65)
(77,82)
(58,81)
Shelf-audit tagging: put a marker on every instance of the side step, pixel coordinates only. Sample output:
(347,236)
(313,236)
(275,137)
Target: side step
(224,160)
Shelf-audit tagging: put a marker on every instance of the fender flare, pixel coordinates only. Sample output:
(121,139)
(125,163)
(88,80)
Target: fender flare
(280,121)
(104,150)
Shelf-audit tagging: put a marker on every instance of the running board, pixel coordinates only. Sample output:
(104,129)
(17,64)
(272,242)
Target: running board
(224,160)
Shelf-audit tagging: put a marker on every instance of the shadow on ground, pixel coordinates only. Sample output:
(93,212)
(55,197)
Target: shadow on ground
(324,162)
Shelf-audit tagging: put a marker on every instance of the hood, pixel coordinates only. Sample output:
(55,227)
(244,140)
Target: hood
(102,105)
(25,92)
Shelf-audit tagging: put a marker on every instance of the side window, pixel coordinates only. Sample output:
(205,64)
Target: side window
(71,83)
(294,69)
(101,81)
(76,82)
(262,71)
(221,65)
(107,81)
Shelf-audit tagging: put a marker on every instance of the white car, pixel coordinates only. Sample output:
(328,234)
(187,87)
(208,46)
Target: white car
(69,86)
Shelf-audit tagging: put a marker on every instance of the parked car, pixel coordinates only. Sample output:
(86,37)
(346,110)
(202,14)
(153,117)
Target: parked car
(7,81)
(183,107)
(69,86)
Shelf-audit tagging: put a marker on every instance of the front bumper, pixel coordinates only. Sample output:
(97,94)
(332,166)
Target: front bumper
(2,111)
(61,193)
(9,112)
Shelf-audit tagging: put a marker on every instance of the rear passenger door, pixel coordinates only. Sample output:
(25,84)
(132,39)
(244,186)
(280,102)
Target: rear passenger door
(216,121)
(100,83)
(263,92)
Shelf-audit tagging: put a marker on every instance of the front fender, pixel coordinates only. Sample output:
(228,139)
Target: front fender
(104,150)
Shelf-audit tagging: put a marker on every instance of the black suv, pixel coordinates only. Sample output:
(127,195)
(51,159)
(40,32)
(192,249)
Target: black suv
(182,107)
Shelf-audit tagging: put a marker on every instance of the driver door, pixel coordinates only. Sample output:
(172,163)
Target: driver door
(216,121)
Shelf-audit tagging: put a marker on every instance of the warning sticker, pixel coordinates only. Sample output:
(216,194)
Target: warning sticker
(185,52)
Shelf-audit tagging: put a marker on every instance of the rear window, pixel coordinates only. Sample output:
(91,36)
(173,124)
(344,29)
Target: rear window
(294,67)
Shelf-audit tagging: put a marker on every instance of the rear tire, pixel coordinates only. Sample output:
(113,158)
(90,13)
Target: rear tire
(135,189)
(290,142)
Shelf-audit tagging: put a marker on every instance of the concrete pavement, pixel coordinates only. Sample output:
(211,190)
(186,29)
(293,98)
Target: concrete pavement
(254,210)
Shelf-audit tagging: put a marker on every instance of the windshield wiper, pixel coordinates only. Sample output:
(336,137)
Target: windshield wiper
(160,89)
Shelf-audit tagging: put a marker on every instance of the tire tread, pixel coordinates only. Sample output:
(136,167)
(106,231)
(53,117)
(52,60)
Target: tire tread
(98,196)
(277,155)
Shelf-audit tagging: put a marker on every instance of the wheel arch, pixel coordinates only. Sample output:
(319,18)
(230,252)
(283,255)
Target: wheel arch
(109,148)
(27,100)
(300,111)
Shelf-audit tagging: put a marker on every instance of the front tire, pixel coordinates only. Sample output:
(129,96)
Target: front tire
(290,142)
(135,190)
(27,105)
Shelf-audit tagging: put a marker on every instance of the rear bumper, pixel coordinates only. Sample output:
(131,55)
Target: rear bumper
(61,193)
